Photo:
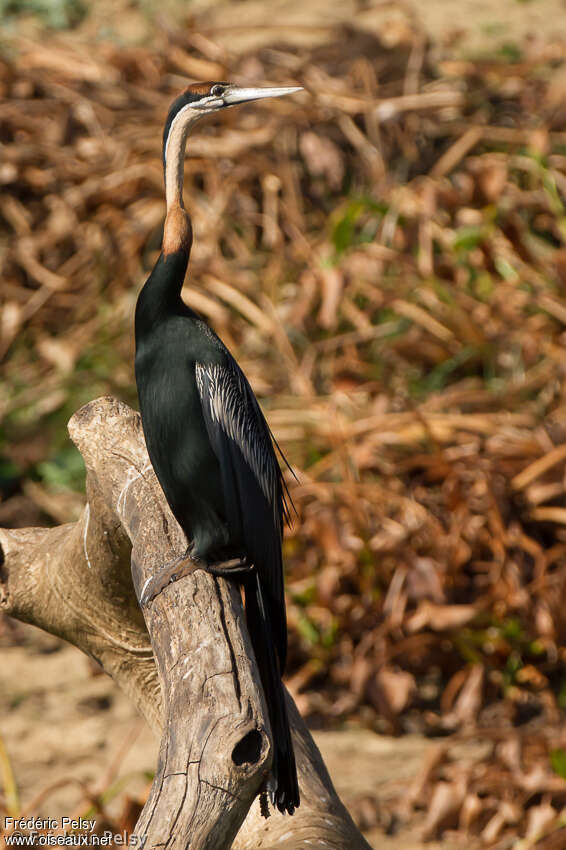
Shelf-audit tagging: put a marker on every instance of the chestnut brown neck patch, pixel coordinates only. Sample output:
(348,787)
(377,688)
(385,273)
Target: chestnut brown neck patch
(177,232)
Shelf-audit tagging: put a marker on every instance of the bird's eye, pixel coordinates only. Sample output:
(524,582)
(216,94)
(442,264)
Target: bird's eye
(217,90)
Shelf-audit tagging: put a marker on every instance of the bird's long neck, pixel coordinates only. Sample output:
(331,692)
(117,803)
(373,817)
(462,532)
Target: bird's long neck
(161,295)
(177,233)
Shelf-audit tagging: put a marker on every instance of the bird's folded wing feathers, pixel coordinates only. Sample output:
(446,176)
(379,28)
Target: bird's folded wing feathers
(254,491)
(231,413)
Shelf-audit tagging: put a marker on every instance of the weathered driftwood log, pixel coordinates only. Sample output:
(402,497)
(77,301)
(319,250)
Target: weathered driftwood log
(189,667)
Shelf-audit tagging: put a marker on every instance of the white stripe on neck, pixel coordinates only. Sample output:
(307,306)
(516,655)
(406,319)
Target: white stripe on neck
(175,153)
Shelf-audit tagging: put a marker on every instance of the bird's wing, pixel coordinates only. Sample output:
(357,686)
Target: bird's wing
(231,412)
(254,491)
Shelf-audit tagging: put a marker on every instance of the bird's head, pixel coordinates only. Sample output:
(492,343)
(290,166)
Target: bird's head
(198,100)
(201,99)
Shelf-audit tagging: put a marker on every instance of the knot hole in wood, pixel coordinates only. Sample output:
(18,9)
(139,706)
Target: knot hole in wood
(248,750)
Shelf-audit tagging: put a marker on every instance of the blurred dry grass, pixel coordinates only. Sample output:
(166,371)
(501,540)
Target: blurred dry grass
(385,255)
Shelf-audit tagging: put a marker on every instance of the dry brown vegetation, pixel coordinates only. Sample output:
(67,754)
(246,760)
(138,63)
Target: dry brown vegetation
(386,257)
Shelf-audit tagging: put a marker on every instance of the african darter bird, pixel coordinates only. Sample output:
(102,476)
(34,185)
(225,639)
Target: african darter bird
(208,440)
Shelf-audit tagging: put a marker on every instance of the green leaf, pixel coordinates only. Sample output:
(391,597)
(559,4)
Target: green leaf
(57,14)
(308,631)
(64,471)
(558,762)
(505,269)
(345,231)
(468,238)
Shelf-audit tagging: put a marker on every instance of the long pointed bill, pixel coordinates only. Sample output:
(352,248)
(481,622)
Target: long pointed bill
(235,94)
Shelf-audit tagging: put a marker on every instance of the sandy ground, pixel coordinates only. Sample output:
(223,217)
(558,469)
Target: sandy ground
(71,734)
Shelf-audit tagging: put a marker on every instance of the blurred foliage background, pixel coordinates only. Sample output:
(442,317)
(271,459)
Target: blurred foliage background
(385,255)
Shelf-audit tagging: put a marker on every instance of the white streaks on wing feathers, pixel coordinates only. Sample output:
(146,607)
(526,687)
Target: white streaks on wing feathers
(230,406)
(85,532)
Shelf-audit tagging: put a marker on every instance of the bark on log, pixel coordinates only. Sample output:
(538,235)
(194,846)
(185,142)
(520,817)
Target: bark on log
(189,668)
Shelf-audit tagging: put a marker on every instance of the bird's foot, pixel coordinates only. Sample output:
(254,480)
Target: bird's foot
(233,568)
(171,572)
(184,566)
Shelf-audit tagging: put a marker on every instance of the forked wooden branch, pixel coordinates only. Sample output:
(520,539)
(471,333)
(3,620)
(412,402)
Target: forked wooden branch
(189,667)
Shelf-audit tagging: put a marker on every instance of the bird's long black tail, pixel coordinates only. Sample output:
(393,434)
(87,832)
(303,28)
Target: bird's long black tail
(285,794)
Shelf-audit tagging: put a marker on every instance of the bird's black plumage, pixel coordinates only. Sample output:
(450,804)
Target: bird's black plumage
(212,452)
